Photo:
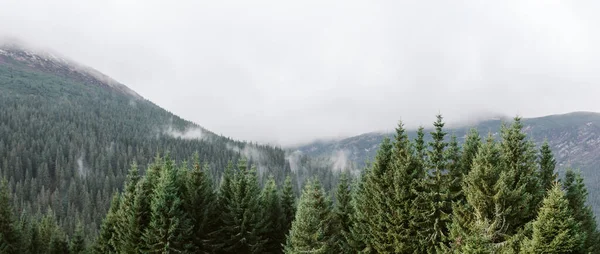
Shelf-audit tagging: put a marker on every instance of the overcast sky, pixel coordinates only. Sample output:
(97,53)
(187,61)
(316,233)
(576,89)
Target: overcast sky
(291,71)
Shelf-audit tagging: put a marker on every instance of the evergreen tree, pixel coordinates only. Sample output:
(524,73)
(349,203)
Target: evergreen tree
(9,234)
(77,243)
(106,242)
(200,205)
(407,173)
(435,216)
(288,206)
(576,194)
(455,170)
(479,241)
(479,212)
(241,219)
(127,237)
(370,220)
(520,185)
(469,150)
(555,230)
(58,242)
(311,232)
(272,216)
(169,227)
(342,213)
(547,164)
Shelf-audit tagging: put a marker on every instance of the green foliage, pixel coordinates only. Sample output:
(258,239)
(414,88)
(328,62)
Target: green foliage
(435,207)
(169,226)
(555,230)
(371,207)
(342,220)
(520,184)
(576,194)
(241,219)
(311,230)
(9,234)
(288,206)
(547,164)
(200,204)
(273,218)
(77,244)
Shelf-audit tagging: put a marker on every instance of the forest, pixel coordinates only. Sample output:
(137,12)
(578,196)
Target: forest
(488,195)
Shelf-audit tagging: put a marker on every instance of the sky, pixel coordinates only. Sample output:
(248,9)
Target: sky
(288,72)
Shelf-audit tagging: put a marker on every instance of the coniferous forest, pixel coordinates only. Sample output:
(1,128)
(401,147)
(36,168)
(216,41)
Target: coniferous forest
(493,194)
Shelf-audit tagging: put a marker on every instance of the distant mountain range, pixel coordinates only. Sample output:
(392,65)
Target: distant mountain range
(574,138)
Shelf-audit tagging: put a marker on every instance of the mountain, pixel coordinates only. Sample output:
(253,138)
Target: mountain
(68,135)
(573,137)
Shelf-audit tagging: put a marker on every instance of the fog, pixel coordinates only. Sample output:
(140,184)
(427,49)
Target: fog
(289,72)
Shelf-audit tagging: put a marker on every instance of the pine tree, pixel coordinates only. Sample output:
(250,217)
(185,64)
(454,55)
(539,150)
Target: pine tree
(576,194)
(272,216)
(127,231)
(77,243)
(311,232)
(9,234)
(547,164)
(520,183)
(435,216)
(555,230)
(58,242)
(342,213)
(200,204)
(106,239)
(455,170)
(480,207)
(407,173)
(370,225)
(169,225)
(469,150)
(241,222)
(288,207)
(478,241)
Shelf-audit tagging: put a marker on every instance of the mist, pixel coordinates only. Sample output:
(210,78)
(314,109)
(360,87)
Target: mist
(288,73)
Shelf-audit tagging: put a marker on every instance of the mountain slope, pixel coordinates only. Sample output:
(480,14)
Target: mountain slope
(574,139)
(68,135)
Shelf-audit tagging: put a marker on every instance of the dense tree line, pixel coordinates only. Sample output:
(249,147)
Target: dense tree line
(66,146)
(488,196)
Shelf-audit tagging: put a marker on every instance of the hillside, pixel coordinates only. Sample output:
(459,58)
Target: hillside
(574,139)
(68,135)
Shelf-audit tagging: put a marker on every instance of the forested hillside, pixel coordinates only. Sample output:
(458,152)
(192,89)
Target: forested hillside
(574,139)
(69,134)
(488,195)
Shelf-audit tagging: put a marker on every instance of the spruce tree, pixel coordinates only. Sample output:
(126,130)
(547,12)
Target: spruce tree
(106,242)
(469,150)
(370,220)
(241,223)
(576,194)
(272,216)
(547,164)
(520,186)
(127,231)
(288,206)
(480,199)
(455,170)
(311,232)
(407,173)
(200,204)
(555,230)
(169,227)
(9,234)
(77,242)
(342,213)
(435,216)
